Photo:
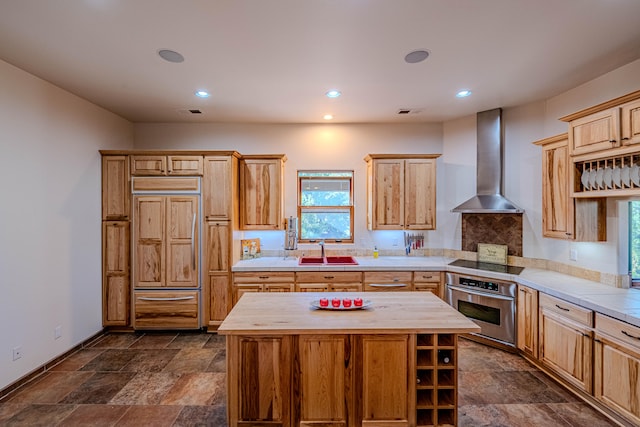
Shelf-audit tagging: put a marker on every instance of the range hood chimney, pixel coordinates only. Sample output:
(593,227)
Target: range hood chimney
(489,174)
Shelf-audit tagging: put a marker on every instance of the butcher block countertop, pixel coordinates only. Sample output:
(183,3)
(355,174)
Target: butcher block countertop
(284,313)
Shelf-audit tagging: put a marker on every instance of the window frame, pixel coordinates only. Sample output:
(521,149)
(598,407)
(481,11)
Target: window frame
(350,207)
(634,282)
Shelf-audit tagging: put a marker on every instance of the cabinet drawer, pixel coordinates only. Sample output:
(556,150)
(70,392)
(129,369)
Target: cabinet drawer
(329,277)
(622,331)
(387,277)
(571,311)
(264,277)
(166,309)
(426,276)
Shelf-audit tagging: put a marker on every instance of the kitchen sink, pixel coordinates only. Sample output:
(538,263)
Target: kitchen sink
(328,260)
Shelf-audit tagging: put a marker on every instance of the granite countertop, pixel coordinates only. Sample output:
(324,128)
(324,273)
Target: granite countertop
(621,304)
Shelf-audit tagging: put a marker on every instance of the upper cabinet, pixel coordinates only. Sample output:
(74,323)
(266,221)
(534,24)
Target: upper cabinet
(220,187)
(115,187)
(401,192)
(564,217)
(261,192)
(158,165)
(595,132)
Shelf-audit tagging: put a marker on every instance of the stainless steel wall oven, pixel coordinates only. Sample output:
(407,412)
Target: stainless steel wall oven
(489,303)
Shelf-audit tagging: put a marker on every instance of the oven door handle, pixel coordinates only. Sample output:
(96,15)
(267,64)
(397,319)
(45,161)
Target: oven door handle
(480,294)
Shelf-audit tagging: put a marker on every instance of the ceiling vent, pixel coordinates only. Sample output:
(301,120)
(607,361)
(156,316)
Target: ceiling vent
(195,111)
(404,111)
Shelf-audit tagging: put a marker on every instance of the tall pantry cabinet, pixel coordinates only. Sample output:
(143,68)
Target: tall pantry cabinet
(164,243)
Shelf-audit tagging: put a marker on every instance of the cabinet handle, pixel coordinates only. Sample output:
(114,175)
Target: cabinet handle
(388,285)
(612,141)
(263,277)
(329,277)
(562,308)
(630,336)
(625,138)
(193,241)
(165,299)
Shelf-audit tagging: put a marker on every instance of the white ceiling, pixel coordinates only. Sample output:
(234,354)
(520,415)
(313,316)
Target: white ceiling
(273,60)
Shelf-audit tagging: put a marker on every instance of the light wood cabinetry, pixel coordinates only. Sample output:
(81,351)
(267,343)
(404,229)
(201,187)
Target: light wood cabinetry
(261,192)
(116,194)
(262,282)
(565,340)
(166,309)
(617,366)
(596,132)
(630,123)
(429,281)
(217,289)
(158,165)
(564,217)
(388,281)
(401,192)
(328,281)
(115,273)
(527,309)
(165,239)
(220,187)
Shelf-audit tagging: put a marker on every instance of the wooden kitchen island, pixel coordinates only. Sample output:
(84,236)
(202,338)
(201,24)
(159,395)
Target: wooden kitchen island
(393,363)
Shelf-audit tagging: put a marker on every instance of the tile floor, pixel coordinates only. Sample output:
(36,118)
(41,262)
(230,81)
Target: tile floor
(178,379)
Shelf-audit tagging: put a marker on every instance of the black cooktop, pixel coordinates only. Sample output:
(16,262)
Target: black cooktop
(487,266)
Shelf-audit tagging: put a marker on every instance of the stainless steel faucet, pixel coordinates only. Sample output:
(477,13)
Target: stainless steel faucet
(321,243)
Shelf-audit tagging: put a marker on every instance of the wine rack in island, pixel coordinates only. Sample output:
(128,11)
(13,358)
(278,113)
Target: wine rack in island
(436,380)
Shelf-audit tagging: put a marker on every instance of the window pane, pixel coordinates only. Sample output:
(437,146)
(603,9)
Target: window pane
(325,192)
(318,225)
(634,240)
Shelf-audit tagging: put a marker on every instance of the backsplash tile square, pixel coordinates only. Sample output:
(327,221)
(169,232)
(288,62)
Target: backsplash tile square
(495,228)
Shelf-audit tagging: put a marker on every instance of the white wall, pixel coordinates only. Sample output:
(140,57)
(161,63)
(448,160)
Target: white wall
(50,251)
(325,146)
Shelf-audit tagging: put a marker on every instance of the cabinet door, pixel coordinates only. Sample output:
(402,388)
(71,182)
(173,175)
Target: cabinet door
(278,287)
(115,187)
(420,194)
(386,378)
(325,380)
(217,299)
(387,194)
(312,287)
(217,187)
(261,194)
(216,249)
(149,241)
(115,274)
(149,165)
(182,241)
(184,165)
(557,205)
(240,289)
(596,132)
(260,381)
(528,321)
(565,347)
(630,129)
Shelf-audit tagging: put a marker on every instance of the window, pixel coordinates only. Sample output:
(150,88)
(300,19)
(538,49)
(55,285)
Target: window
(634,242)
(325,206)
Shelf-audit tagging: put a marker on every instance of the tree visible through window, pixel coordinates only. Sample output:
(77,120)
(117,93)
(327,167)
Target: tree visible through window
(634,241)
(325,206)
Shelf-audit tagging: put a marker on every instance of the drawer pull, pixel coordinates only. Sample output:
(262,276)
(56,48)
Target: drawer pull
(388,285)
(630,336)
(562,308)
(263,277)
(165,298)
(329,277)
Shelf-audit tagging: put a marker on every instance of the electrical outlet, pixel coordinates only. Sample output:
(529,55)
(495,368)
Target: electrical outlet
(573,254)
(57,332)
(17,352)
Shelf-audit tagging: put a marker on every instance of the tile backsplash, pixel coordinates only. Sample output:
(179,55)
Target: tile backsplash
(495,228)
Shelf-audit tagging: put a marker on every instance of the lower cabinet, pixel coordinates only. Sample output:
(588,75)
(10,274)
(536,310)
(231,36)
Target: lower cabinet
(430,281)
(527,309)
(342,380)
(389,281)
(565,340)
(115,273)
(617,366)
(329,281)
(262,282)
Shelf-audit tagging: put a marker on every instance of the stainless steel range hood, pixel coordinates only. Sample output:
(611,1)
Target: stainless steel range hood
(490,174)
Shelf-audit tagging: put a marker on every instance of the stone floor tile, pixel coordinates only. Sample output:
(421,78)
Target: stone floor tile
(77,360)
(117,340)
(9,409)
(100,388)
(191,360)
(150,360)
(110,360)
(196,389)
(154,340)
(202,416)
(216,341)
(39,415)
(153,415)
(578,414)
(146,388)
(52,387)
(94,416)
(187,340)
(219,362)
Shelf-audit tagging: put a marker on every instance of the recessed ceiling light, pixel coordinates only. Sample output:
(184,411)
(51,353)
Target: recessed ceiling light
(202,94)
(170,55)
(416,56)
(327,117)
(333,93)
(463,93)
